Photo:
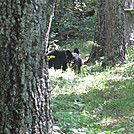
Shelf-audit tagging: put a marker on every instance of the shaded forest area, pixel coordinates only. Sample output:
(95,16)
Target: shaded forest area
(73,26)
(98,100)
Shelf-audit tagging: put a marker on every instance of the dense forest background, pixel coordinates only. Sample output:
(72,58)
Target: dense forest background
(97,101)
(73,26)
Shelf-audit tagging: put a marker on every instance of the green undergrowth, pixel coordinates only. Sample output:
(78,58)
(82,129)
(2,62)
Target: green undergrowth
(97,101)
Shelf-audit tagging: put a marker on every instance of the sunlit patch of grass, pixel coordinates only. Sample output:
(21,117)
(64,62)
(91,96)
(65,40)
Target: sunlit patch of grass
(95,101)
(108,121)
(59,73)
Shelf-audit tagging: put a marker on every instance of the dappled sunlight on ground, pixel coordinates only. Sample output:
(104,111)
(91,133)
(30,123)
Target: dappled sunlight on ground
(93,101)
(68,75)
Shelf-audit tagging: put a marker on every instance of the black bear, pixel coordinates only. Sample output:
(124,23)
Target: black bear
(76,61)
(59,59)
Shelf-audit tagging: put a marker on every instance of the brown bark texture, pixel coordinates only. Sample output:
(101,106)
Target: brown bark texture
(25,102)
(110,29)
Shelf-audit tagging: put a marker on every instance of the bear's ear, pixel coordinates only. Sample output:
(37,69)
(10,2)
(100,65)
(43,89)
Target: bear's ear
(69,54)
(76,51)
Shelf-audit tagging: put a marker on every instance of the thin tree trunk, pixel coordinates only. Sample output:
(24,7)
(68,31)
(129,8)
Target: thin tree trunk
(62,4)
(50,23)
(24,90)
(129,22)
(129,4)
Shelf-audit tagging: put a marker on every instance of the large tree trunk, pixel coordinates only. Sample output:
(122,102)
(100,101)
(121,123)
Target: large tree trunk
(110,31)
(24,90)
(114,31)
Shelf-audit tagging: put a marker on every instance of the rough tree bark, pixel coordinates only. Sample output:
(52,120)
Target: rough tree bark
(25,102)
(114,32)
(110,31)
(129,22)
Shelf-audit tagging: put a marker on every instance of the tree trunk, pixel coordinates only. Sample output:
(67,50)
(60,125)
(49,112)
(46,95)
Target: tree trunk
(50,18)
(114,31)
(129,22)
(110,30)
(129,4)
(25,103)
(62,4)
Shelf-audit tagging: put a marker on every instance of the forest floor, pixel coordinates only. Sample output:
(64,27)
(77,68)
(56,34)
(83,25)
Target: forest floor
(96,101)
